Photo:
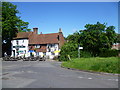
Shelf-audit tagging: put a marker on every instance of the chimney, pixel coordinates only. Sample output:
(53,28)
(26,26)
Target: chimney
(35,30)
(60,30)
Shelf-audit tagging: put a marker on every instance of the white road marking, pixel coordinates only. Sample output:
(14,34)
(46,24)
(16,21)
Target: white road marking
(80,77)
(89,78)
(113,79)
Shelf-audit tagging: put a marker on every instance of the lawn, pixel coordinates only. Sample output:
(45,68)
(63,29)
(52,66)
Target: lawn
(98,64)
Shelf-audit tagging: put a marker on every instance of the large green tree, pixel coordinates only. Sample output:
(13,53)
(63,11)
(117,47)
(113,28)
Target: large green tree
(11,24)
(97,37)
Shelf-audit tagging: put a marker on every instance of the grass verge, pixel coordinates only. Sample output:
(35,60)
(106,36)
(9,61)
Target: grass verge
(98,64)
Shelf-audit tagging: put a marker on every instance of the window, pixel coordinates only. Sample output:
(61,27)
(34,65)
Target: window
(52,45)
(17,42)
(18,46)
(44,53)
(37,46)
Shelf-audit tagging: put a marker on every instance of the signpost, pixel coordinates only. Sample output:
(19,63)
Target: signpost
(79,51)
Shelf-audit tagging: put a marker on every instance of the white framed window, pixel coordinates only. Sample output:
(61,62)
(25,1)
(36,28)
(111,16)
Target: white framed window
(37,46)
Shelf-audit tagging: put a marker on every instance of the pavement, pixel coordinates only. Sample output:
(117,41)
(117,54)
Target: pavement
(49,74)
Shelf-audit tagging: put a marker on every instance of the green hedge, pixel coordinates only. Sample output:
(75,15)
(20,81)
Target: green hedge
(109,53)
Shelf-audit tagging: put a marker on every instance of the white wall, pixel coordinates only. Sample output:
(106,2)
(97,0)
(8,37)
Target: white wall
(21,42)
(25,42)
(53,48)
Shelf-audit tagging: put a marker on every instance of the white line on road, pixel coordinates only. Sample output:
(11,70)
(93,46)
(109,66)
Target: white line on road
(89,78)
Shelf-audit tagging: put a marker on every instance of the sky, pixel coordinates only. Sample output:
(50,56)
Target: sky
(69,16)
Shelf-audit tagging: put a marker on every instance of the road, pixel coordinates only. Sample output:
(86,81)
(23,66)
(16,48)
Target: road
(49,74)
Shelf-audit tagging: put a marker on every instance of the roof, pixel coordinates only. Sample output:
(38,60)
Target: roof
(22,35)
(35,38)
(44,38)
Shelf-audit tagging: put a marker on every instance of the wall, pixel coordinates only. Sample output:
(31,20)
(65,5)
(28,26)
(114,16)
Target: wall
(50,52)
(21,42)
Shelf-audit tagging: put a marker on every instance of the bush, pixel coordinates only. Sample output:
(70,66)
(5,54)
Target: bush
(85,54)
(108,53)
(71,49)
(68,49)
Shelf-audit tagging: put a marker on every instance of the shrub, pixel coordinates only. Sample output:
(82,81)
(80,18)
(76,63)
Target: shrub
(71,49)
(108,53)
(68,49)
(85,54)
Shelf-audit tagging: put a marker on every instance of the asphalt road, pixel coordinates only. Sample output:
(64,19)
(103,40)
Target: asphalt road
(49,74)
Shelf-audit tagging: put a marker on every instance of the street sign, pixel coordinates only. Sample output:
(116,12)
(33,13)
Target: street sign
(80,47)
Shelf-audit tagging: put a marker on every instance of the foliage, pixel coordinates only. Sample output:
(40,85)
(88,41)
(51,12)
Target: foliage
(11,24)
(109,65)
(108,53)
(71,49)
(118,38)
(94,38)
(97,36)
(85,54)
(68,49)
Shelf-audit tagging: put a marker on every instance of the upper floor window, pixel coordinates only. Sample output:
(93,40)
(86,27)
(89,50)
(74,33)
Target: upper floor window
(17,42)
(52,45)
(37,46)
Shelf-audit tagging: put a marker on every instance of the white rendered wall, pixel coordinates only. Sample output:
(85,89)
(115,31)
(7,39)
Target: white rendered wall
(21,42)
(52,49)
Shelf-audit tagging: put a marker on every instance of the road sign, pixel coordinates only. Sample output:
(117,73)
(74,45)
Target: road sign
(80,47)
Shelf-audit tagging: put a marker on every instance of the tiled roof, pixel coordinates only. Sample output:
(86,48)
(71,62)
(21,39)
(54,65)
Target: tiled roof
(43,38)
(22,35)
(41,49)
(35,38)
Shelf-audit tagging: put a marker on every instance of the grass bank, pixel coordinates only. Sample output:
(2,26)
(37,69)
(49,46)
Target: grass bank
(98,64)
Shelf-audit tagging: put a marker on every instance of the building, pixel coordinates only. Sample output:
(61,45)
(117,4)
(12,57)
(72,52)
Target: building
(34,44)
(116,46)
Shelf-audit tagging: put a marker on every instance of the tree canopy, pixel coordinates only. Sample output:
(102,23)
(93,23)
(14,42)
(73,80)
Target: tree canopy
(11,24)
(94,39)
(97,37)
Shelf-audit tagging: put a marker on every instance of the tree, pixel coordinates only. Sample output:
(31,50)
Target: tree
(97,37)
(118,38)
(11,24)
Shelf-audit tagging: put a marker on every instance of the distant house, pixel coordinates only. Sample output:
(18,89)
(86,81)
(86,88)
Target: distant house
(31,43)
(116,46)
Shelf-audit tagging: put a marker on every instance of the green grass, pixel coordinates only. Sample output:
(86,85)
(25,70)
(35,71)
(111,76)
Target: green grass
(109,64)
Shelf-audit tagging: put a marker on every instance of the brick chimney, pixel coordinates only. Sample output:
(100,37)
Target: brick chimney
(35,30)
(60,30)
(61,38)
